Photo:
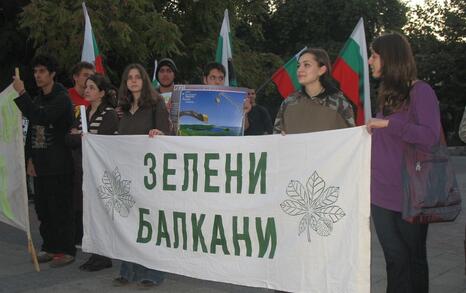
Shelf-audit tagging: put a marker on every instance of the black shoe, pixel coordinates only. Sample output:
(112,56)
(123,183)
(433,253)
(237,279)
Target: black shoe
(44,256)
(89,262)
(120,282)
(99,265)
(147,284)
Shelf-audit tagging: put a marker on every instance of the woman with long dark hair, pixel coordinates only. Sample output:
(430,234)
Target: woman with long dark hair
(144,112)
(408,113)
(319,105)
(102,119)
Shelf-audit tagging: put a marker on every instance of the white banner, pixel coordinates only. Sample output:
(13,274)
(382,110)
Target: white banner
(283,212)
(13,191)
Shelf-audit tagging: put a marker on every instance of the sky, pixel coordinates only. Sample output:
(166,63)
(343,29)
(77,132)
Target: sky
(414,2)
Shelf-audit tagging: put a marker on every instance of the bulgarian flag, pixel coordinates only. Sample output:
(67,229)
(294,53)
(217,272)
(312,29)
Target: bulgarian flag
(155,82)
(91,52)
(286,78)
(224,53)
(352,72)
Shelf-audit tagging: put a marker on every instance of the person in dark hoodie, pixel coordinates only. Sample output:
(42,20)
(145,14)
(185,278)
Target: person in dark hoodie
(165,74)
(50,116)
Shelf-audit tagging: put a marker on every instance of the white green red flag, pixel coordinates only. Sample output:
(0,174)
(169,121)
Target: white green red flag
(286,78)
(90,51)
(155,82)
(224,53)
(352,72)
(13,192)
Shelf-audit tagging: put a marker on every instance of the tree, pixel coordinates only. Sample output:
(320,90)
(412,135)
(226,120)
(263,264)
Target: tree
(437,32)
(132,31)
(266,33)
(14,42)
(200,22)
(328,23)
(455,22)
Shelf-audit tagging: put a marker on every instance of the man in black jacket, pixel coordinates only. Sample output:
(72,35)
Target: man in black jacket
(259,121)
(50,116)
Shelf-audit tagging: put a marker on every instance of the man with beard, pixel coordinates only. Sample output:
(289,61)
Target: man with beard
(50,116)
(165,75)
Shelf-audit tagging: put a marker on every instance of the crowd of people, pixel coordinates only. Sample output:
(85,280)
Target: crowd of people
(53,148)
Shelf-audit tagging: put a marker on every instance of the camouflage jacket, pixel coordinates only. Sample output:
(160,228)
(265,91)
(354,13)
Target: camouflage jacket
(334,101)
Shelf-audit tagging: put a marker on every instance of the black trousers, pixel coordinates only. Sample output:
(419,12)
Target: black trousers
(53,201)
(404,247)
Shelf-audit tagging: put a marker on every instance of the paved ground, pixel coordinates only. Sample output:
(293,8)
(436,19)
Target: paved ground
(445,253)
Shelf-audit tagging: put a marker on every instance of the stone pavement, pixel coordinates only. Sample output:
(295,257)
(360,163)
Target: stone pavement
(445,253)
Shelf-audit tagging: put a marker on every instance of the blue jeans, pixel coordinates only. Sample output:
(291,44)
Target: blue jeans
(135,272)
(404,247)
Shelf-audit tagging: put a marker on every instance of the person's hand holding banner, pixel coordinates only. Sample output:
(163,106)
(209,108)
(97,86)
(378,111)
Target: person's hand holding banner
(18,84)
(82,108)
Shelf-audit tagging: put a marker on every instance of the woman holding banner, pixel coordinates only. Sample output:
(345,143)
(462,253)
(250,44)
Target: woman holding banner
(319,105)
(144,112)
(102,119)
(403,243)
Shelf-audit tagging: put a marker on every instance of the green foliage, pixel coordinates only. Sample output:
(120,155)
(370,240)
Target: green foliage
(389,15)
(425,20)
(254,69)
(126,31)
(266,33)
(455,22)
(14,47)
(200,22)
(437,33)
(53,28)
(328,23)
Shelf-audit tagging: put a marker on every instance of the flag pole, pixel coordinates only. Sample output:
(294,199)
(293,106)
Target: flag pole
(31,248)
(262,86)
(32,251)
(278,71)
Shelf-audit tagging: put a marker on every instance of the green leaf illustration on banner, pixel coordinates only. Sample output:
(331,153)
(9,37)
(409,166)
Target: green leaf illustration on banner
(115,194)
(8,117)
(4,203)
(315,203)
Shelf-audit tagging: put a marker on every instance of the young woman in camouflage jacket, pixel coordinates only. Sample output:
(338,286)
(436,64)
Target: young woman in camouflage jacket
(319,105)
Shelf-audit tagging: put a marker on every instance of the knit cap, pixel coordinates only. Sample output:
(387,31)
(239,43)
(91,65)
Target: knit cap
(165,62)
